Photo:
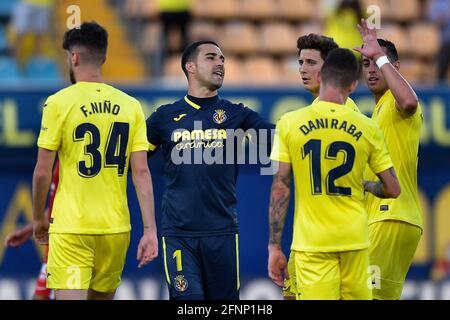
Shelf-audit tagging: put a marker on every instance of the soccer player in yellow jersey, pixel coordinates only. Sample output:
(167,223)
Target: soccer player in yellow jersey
(313,49)
(395,226)
(97,131)
(327,147)
(312,52)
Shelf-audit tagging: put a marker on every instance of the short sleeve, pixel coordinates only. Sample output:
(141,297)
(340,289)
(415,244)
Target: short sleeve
(280,149)
(140,142)
(153,131)
(51,125)
(379,159)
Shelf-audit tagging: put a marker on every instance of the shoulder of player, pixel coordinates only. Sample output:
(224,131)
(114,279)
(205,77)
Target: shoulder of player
(351,103)
(61,94)
(170,107)
(125,96)
(166,111)
(362,121)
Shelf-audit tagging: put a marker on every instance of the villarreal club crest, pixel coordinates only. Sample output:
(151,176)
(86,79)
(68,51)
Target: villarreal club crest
(219,116)
(181,284)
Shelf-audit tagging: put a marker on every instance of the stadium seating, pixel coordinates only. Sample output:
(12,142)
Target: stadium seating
(6,8)
(270,28)
(240,38)
(397,35)
(244,29)
(278,38)
(234,72)
(3,42)
(125,64)
(203,29)
(261,70)
(424,39)
(213,9)
(256,9)
(141,8)
(290,71)
(295,9)
(9,71)
(172,70)
(42,70)
(404,10)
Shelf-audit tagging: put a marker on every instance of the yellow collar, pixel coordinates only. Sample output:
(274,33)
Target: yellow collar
(192,104)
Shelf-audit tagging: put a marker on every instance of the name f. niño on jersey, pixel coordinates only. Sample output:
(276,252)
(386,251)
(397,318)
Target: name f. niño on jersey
(99,107)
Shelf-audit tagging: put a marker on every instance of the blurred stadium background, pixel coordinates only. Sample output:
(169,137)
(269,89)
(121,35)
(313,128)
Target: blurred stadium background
(258,38)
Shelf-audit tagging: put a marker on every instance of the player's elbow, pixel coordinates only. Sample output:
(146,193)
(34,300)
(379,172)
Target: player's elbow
(393,190)
(140,172)
(280,190)
(410,105)
(41,174)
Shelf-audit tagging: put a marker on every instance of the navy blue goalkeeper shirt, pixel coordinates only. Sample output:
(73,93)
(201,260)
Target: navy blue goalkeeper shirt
(196,138)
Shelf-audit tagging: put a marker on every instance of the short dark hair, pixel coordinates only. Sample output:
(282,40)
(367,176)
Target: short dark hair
(391,50)
(341,68)
(190,53)
(91,36)
(318,42)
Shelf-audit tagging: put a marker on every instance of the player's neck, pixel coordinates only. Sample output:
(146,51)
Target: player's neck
(200,92)
(378,95)
(89,75)
(334,95)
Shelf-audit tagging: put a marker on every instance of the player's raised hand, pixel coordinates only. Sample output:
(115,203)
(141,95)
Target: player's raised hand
(40,230)
(277,266)
(370,48)
(19,236)
(148,248)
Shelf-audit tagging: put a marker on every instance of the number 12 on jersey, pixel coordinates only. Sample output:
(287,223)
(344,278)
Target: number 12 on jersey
(313,148)
(115,150)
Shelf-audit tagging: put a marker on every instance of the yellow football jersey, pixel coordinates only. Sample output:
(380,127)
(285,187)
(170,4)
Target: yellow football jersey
(329,147)
(94,127)
(349,103)
(402,135)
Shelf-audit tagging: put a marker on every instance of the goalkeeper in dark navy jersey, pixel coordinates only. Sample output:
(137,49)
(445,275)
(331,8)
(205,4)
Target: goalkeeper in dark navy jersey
(200,136)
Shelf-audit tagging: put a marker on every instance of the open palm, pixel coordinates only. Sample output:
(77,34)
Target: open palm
(370,47)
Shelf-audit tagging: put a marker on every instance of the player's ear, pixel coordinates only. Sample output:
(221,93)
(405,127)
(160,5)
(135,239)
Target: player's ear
(74,58)
(354,85)
(319,76)
(190,66)
(396,65)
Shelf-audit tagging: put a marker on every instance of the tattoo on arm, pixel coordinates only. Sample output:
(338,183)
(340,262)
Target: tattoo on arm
(279,203)
(375,187)
(392,172)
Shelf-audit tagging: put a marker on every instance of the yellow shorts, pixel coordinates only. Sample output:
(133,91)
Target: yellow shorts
(333,275)
(392,247)
(81,262)
(290,285)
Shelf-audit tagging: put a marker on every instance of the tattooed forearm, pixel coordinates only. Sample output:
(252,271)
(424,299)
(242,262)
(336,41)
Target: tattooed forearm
(376,188)
(279,203)
(392,172)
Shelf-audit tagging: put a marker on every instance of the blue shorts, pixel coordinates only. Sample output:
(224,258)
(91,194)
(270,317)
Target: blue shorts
(202,268)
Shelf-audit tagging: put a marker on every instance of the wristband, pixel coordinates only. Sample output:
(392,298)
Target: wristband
(381,61)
